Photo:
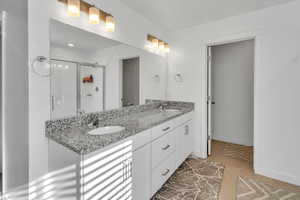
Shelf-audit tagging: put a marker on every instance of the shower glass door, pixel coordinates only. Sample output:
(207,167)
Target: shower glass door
(63,89)
(91,79)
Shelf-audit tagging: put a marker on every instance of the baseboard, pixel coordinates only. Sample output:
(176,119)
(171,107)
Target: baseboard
(278,176)
(223,139)
(199,155)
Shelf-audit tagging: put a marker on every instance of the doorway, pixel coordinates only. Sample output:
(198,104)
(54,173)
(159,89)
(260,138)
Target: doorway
(130,82)
(230,96)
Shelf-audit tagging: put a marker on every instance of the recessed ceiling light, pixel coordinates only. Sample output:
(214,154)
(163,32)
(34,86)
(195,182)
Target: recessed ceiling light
(71,44)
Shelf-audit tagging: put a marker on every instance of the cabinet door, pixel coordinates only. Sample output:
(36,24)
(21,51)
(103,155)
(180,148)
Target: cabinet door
(141,173)
(187,139)
(184,142)
(179,145)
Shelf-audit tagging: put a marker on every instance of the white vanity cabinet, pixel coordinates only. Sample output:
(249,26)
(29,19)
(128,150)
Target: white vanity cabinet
(136,166)
(141,173)
(172,143)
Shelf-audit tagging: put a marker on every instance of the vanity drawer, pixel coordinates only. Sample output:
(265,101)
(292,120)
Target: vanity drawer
(161,173)
(162,148)
(183,119)
(162,129)
(141,139)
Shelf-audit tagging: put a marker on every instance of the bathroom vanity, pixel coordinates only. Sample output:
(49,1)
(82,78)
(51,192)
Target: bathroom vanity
(105,139)
(135,161)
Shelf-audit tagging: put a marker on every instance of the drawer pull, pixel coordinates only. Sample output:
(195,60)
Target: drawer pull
(167,128)
(166,172)
(186,132)
(166,147)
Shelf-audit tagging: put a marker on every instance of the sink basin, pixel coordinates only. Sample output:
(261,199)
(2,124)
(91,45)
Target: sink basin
(106,130)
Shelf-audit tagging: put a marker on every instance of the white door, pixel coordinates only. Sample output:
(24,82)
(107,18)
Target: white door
(141,173)
(209,100)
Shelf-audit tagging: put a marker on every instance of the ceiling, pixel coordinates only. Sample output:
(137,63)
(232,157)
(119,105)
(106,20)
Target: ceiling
(178,14)
(62,34)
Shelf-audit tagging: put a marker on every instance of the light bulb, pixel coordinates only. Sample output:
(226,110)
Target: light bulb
(154,43)
(161,45)
(94,15)
(167,48)
(109,23)
(74,8)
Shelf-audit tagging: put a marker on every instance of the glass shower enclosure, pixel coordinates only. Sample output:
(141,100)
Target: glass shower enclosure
(76,88)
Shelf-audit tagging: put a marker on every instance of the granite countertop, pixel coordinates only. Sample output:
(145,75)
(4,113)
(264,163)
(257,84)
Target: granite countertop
(75,137)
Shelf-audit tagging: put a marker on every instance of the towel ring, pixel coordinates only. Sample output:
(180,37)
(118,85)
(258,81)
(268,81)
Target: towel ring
(156,78)
(178,78)
(40,59)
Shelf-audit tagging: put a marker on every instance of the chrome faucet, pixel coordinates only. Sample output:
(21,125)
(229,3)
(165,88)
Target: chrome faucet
(163,106)
(94,123)
(80,112)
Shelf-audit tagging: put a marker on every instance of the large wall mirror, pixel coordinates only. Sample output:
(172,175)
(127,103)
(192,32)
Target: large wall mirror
(91,73)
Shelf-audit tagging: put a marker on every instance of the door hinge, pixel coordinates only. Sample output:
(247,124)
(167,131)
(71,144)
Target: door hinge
(209,58)
(209,98)
(209,137)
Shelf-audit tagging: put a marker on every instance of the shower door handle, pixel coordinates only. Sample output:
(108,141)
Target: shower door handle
(52,103)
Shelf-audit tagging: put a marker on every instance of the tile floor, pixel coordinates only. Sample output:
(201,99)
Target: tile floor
(238,167)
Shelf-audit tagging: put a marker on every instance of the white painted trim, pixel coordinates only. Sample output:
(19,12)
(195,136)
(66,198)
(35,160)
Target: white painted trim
(278,175)
(226,40)
(3,66)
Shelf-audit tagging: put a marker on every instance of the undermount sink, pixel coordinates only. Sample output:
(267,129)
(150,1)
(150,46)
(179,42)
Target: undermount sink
(172,110)
(106,130)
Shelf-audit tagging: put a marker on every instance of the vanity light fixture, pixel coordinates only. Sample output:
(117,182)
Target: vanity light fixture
(110,23)
(94,15)
(73,8)
(157,44)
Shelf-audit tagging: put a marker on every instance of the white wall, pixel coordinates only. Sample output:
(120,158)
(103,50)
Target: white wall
(92,98)
(39,14)
(150,65)
(70,54)
(14,84)
(232,90)
(276,120)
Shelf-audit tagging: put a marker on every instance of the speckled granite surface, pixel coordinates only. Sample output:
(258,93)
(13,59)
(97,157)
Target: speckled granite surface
(72,132)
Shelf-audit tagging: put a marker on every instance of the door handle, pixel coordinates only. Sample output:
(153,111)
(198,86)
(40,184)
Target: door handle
(165,129)
(52,103)
(186,130)
(166,147)
(166,172)
(212,102)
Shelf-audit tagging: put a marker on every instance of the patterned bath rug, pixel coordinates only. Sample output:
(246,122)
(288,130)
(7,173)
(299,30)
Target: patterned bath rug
(195,179)
(240,152)
(250,189)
